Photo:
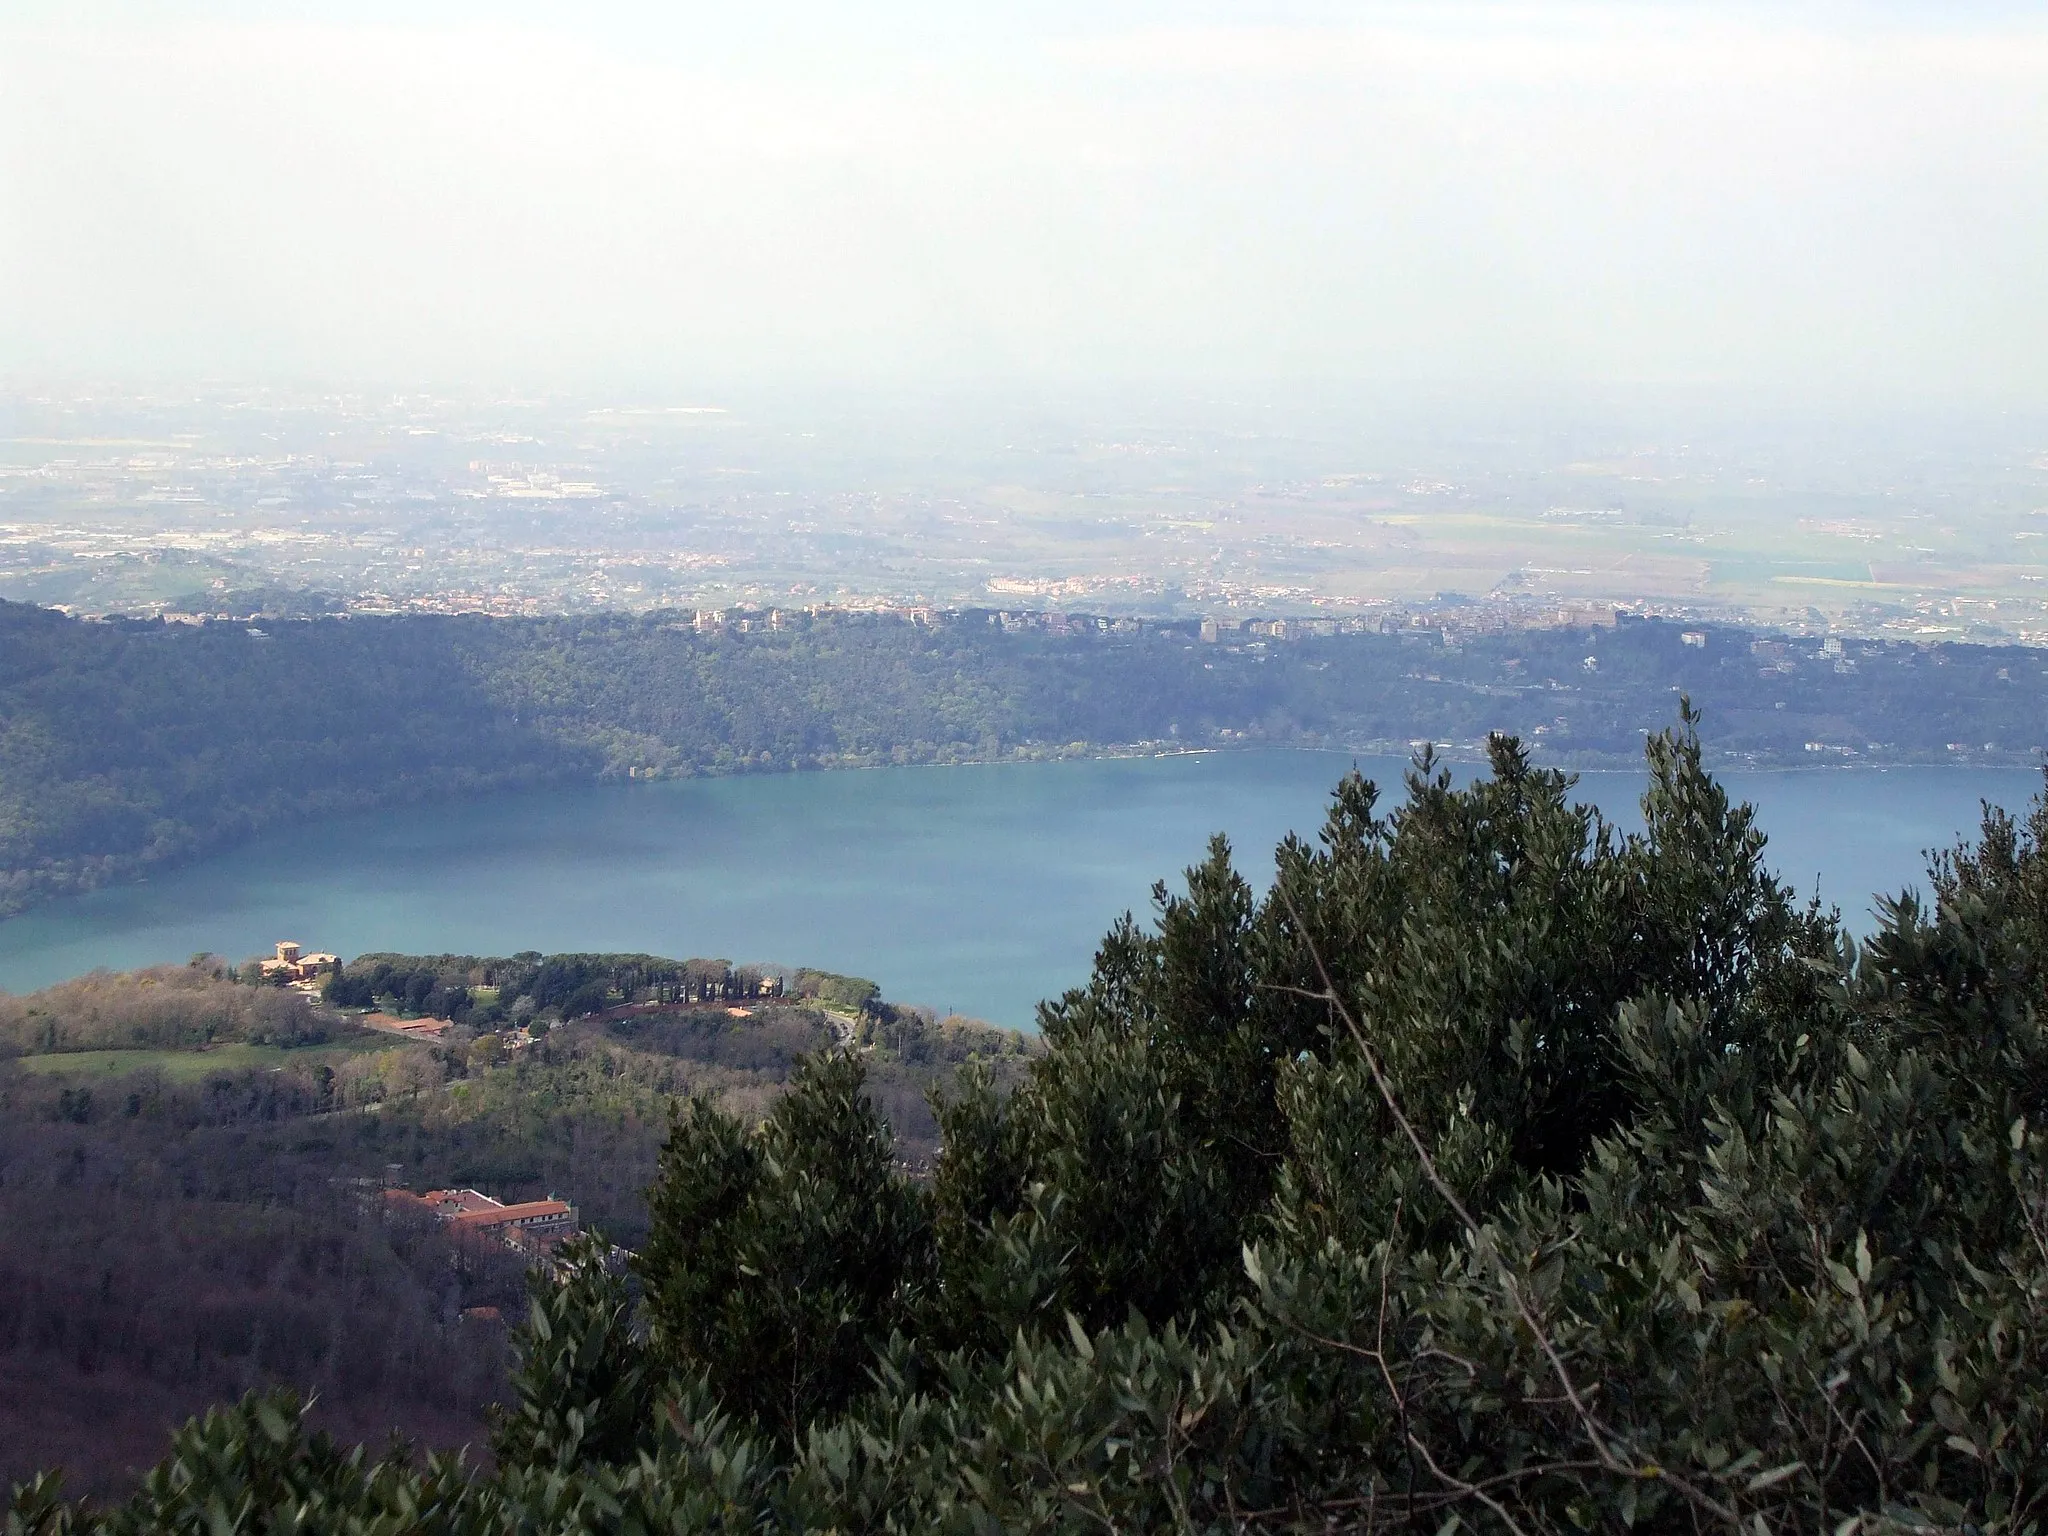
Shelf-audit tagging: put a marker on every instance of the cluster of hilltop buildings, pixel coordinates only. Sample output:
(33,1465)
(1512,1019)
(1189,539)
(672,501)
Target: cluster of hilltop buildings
(1461,614)
(1372,616)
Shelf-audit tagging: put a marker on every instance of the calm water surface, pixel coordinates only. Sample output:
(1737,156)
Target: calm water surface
(977,889)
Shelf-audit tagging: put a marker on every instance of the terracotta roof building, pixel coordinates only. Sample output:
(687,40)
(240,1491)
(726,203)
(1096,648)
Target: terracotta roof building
(536,1225)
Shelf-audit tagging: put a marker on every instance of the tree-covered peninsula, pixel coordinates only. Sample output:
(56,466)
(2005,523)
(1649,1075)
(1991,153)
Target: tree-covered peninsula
(127,743)
(1493,1171)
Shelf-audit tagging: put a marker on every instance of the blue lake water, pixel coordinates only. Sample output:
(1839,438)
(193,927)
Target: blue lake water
(979,889)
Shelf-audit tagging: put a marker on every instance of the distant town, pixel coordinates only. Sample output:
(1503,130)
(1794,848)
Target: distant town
(1451,619)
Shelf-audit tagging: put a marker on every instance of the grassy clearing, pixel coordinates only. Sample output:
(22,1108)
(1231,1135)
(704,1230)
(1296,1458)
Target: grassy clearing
(190,1066)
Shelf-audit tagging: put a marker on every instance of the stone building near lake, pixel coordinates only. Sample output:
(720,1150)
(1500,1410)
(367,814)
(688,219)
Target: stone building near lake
(294,964)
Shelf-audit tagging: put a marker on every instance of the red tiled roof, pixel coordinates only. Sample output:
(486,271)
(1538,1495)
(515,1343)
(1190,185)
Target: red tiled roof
(529,1211)
(461,1202)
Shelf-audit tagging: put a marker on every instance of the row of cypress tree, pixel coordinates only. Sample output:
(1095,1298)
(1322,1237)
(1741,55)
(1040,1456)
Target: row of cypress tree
(1495,1170)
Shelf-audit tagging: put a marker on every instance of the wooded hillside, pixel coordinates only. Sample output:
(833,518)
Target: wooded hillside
(189,1167)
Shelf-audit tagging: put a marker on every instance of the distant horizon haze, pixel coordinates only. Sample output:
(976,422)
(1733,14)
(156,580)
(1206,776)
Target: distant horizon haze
(1829,208)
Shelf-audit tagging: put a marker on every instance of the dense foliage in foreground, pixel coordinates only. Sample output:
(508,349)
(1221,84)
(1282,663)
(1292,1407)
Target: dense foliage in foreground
(1494,1171)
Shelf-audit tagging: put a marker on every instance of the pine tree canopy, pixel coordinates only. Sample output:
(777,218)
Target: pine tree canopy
(1495,1170)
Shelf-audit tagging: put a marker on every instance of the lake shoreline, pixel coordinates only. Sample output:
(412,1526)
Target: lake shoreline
(971,893)
(40,887)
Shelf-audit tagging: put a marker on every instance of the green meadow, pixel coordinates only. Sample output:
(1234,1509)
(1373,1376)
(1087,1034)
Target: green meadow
(192,1065)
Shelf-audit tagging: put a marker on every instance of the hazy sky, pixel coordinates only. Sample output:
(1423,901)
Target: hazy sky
(1826,201)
